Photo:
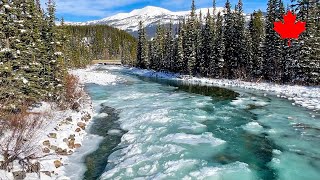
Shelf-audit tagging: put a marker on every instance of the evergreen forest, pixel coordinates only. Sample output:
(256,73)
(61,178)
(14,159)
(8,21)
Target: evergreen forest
(225,45)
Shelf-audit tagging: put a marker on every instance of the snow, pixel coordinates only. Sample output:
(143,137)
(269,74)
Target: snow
(89,76)
(308,97)
(56,122)
(149,15)
(24,80)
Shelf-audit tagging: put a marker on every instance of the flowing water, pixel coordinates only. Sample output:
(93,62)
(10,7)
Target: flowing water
(158,129)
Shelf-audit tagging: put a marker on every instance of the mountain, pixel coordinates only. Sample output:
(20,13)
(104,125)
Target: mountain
(151,16)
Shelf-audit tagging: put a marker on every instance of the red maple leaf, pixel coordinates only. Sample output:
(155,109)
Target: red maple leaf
(289,29)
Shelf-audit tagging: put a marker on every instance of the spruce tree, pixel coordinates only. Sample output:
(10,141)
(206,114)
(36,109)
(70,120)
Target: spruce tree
(273,52)
(231,62)
(190,42)
(207,46)
(256,28)
(179,63)
(142,48)
(217,66)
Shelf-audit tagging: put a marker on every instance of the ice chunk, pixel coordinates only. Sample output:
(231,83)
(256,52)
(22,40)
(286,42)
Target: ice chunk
(191,139)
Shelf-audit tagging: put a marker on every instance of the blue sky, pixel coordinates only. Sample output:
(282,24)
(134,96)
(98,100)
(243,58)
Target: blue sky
(85,10)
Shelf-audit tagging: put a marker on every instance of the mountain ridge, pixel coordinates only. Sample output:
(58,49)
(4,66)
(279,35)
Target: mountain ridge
(151,16)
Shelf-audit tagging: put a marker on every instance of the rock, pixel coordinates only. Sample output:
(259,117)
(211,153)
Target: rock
(48,173)
(57,163)
(34,168)
(53,147)
(86,117)
(70,152)
(82,125)
(65,140)
(77,146)
(69,119)
(62,152)
(19,175)
(72,137)
(78,130)
(53,135)
(71,144)
(76,106)
(46,150)
(46,143)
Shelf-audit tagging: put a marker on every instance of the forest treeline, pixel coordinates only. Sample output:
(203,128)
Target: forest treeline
(35,53)
(224,45)
(95,42)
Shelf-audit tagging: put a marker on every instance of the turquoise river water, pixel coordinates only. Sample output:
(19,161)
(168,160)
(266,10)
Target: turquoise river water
(160,129)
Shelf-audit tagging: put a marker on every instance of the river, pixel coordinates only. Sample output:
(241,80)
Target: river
(160,129)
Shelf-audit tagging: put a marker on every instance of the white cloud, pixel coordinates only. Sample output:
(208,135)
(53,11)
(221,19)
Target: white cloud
(93,8)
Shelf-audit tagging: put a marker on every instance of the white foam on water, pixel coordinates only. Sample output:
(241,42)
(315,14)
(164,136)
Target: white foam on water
(102,115)
(191,139)
(114,132)
(253,127)
(234,171)
(295,167)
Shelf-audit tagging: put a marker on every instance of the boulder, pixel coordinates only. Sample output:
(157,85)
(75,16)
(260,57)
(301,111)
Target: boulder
(76,106)
(82,125)
(57,163)
(53,147)
(86,117)
(34,168)
(72,137)
(19,175)
(70,152)
(53,135)
(46,150)
(69,119)
(48,173)
(62,152)
(77,146)
(71,144)
(46,143)
(78,130)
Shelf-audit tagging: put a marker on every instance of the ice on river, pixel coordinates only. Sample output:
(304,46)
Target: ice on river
(175,134)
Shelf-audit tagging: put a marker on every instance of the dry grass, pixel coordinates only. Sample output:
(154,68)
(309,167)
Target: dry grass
(17,141)
(73,92)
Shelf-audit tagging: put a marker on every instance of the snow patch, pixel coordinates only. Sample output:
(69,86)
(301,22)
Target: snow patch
(90,76)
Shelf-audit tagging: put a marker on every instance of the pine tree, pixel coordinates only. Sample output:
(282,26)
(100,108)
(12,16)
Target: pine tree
(217,66)
(207,46)
(190,42)
(142,48)
(168,49)
(242,53)
(309,59)
(179,63)
(231,62)
(256,28)
(273,53)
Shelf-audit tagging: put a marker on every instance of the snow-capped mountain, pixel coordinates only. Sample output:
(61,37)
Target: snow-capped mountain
(151,16)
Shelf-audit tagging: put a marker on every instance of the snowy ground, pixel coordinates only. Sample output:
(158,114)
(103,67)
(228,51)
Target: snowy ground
(308,97)
(88,75)
(63,140)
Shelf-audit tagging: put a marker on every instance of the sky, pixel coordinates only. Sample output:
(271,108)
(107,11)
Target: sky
(86,10)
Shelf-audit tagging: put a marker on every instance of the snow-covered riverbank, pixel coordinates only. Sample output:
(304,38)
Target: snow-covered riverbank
(63,134)
(308,97)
